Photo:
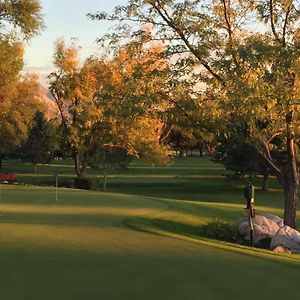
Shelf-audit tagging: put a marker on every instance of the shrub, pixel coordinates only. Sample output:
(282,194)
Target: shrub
(66,184)
(220,230)
(86,183)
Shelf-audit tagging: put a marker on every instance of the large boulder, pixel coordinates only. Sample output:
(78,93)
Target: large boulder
(282,249)
(288,238)
(269,232)
(263,229)
(274,218)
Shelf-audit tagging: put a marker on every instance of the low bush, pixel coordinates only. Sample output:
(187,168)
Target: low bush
(220,230)
(87,183)
(66,184)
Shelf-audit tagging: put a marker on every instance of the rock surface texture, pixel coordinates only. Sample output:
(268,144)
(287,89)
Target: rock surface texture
(287,237)
(269,231)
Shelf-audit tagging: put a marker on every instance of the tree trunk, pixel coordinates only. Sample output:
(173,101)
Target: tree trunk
(210,148)
(290,205)
(265,183)
(1,161)
(104,178)
(291,186)
(80,166)
(77,164)
(34,167)
(83,168)
(201,150)
(289,180)
(104,172)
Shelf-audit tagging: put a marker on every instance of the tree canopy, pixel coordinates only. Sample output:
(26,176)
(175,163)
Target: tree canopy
(22,18)
(16,114)
(245,56)
(19,20)
(41,142)
(107,103)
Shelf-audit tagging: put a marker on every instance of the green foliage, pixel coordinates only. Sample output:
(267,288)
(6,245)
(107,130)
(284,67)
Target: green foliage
(219,230)
(111,158)
(19,19)
(240,158)
(87,183)
(23,16)
(248,75)
(41,142)
(108,103)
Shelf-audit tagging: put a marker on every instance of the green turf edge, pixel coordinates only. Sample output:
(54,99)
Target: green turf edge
(141,225)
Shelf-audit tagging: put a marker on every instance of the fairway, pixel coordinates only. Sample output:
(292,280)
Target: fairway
(81,248)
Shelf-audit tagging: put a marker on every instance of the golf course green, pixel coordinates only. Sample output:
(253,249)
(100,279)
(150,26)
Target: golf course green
(80,247)
(95,245)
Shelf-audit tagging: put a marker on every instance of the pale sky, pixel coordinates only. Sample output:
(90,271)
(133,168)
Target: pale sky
(67,19)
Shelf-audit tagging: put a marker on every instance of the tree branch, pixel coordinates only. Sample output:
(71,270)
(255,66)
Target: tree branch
(272,19)
(229,29)
(285,25)
(165,16)
(267,155)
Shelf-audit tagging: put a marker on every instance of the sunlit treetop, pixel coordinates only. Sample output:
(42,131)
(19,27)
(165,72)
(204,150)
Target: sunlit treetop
(22,18)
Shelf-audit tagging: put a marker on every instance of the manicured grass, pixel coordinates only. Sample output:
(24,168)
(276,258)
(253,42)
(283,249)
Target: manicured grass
(139,241)
(80,248)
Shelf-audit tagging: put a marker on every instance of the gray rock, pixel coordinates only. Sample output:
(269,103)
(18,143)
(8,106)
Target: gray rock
(243,228)
(276,219)
(263,228)
(288,238)
(282,249)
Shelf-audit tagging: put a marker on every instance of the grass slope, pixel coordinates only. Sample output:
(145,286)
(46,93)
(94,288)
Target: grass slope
(86,246)
(79,248)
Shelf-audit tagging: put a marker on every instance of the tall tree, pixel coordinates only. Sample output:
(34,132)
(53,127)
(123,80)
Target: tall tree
(41,142)
(105,102)
(19,20)
(242,159)
(73,88)
(251,73)
(11,64)
(16,115)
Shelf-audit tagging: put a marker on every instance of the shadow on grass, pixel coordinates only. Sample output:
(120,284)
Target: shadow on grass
(217,230)
(61,219)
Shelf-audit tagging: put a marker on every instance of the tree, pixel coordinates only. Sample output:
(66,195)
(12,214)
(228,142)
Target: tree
(16,114)
(21,18)
(10,66)
(185,131)
(105,102)
(250,73)
(109,158)
(73,88)
(41,142)
(242,159)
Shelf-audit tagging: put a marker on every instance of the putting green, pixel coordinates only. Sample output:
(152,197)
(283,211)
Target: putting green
(80,248)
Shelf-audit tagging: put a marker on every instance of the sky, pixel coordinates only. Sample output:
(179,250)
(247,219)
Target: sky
(67,19)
